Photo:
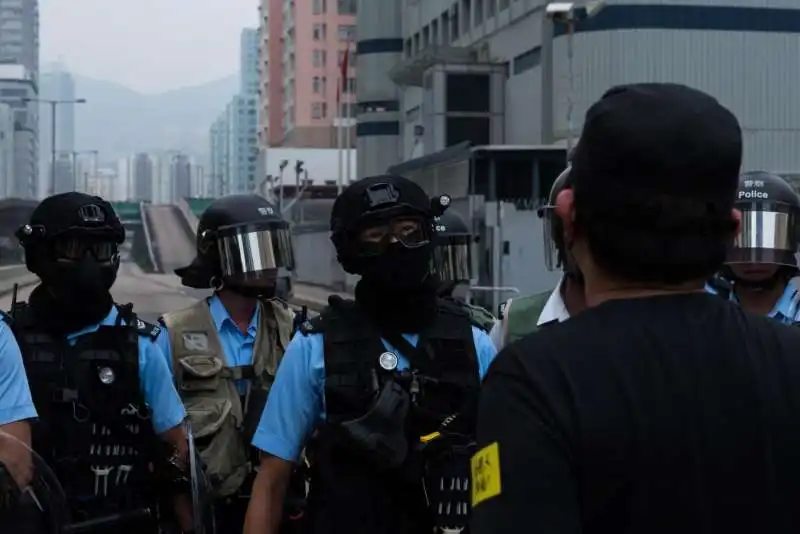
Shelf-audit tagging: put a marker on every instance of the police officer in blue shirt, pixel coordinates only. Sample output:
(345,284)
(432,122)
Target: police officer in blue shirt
(761,272)
(99,382)
(16,408)
(385,383)
(225,349)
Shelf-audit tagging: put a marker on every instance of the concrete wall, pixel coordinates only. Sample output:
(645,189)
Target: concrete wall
(316,259)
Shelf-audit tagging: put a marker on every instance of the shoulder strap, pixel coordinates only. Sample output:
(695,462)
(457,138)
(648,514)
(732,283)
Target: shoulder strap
(143,328)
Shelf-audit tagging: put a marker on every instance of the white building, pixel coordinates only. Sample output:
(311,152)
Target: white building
(124,190)
(248,61)
(320,165)
(233,146)
(16,85)
(103,183)
(58,84)
(201,186)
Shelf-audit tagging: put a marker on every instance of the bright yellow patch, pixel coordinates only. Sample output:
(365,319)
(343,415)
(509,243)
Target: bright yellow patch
(429,437)
(486,474)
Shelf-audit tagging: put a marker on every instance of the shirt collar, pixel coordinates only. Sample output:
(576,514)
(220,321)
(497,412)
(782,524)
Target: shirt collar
(110,320)
(554,309)
(222,318)
(788,306)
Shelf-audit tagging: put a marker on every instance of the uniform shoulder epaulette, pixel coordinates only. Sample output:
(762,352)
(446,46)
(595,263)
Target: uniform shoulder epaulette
(143,328)
(315,325)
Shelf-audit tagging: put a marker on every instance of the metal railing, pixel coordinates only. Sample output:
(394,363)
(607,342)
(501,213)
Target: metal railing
(148,237)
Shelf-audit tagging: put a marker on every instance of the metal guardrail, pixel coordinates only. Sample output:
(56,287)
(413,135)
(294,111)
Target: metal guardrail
(148,237)
(188,214)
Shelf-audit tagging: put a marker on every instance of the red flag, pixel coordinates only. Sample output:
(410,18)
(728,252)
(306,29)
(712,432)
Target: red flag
(345,61)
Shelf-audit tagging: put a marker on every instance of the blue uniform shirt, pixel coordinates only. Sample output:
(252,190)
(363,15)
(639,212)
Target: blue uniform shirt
(237,346)
(15,395)
(787,309)
(296,404)
(154,376)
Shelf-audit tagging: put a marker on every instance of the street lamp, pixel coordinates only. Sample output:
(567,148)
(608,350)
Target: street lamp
(53,105)
(570,14)
(74,156)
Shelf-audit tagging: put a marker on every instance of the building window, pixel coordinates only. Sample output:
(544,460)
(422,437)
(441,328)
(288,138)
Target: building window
(347,32)
(319,32)
(318,58)
(316,84)
(346,110)
(347,7)
(350,86)
(319,7)
(319,110)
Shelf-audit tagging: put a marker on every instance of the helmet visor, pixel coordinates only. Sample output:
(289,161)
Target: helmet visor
(451,259)
(769,234)
(70,248)
(253,254)
(551,256)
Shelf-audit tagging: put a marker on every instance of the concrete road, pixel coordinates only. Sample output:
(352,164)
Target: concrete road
(151,295)
(174,248)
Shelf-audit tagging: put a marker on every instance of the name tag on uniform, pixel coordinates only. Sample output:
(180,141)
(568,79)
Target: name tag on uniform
(485,468)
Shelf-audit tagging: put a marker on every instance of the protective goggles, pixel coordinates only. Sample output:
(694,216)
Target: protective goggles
(76,249)
(769,234)
(412,231)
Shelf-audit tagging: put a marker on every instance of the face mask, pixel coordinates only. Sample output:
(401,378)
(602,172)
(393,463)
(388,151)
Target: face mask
(399,267)
(253,292)
(79,280)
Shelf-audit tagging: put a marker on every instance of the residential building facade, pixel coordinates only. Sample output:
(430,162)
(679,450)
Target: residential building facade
(142,177)
(181,176)
(303,93)
(6,151)
(57,84)
(19,79)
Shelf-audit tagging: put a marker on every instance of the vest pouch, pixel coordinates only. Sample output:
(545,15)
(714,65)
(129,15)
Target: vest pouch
(447,479)
(217,437)
(200,372)
(380,433)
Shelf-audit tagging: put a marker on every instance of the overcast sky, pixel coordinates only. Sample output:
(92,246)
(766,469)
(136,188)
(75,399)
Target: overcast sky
(147,45)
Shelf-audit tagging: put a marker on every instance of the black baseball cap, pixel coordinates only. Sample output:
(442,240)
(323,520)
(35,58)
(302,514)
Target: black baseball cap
(659,139)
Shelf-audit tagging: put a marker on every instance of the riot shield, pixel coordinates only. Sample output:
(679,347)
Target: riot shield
(31,499)
(202,494)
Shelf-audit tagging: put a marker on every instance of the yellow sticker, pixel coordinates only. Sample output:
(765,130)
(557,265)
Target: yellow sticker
(429,437)
(485,466)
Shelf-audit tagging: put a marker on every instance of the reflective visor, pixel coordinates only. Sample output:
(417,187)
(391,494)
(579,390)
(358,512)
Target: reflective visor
(451,260)
(768,235)
(546,213)
(250,253)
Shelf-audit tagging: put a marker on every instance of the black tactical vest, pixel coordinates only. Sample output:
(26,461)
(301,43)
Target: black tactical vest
(347,494)
(93,427)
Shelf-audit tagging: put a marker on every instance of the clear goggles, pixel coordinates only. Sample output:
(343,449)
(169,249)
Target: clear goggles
(551,254)
(411,231)
(255,254)
(76,249)
(769,234)
(450,261)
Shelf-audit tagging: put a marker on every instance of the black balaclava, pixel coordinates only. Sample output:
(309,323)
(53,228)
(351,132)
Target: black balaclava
(73,293)
(396,288)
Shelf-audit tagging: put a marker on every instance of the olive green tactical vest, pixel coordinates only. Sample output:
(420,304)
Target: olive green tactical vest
(480,317)
(521,315)
(207,385)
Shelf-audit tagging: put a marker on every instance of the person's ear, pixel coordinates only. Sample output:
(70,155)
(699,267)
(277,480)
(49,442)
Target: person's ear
(565,210)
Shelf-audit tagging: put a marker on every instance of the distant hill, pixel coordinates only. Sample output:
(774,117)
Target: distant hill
(118,121)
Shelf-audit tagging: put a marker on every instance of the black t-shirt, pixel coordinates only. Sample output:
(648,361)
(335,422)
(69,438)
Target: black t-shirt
(674,414)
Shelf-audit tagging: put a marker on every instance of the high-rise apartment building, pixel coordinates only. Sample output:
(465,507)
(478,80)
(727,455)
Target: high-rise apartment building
(19,59)
(248,61)
(181,176)
(6,150)
(142,172)
(57,84)
(303,46)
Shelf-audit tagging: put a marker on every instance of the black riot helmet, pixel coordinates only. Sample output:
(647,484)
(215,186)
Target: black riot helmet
(555,253)
(71,241)
(770,217)
(381,227)
(243,244)
(451,250)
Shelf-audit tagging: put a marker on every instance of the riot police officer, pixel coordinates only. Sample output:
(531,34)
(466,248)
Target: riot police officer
(451,260)
(225,349)
(99,382)
(523,315)
(761,268)
(398,369)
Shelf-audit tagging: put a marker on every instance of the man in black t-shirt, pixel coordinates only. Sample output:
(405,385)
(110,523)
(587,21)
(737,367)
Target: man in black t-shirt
(660,409)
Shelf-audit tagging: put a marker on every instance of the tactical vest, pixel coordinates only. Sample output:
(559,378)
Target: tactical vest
(347,494)
(521,315)
(222,421)
(93,427)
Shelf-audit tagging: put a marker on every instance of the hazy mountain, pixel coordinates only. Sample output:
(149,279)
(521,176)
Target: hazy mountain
(118,121)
